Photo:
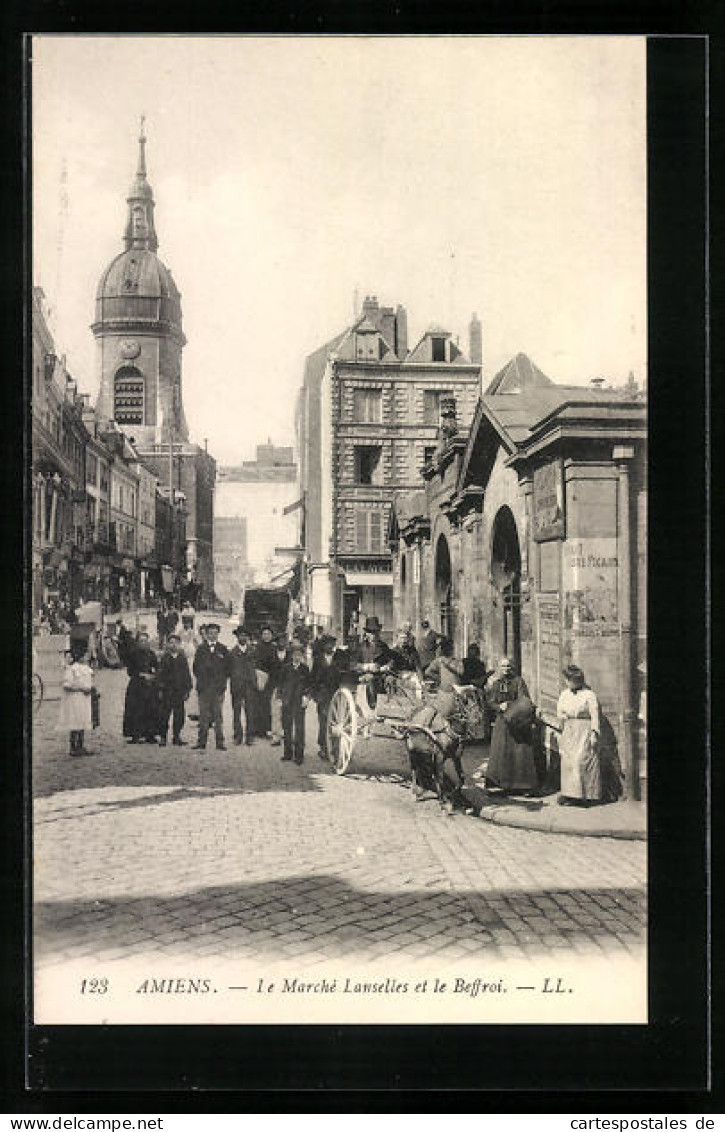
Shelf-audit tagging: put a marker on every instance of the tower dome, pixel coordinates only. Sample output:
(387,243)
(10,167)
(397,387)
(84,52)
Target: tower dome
(137,287)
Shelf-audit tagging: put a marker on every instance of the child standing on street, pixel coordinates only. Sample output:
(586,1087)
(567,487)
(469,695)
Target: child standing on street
(75,703)
(294,689)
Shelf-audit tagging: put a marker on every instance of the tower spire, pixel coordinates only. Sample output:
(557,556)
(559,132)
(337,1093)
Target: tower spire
(141,169)
(140,231)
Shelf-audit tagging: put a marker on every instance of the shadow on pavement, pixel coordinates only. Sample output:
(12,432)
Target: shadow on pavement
(232,771)
(325,914)
(98,805)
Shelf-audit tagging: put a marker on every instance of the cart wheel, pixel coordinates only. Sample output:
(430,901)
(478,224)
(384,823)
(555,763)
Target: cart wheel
(341,729)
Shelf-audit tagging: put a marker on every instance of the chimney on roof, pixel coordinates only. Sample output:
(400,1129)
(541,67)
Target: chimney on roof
(475,340)
(387,326)
(401,333)
(370,308)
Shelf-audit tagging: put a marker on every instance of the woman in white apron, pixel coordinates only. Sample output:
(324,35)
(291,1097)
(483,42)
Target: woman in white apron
(578,714)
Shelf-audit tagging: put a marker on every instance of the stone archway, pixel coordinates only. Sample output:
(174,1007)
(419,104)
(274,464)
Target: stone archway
(443,587)
(506,580)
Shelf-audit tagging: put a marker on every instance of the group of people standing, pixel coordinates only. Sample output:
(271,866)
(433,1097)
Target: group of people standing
(269,682)
(272,681)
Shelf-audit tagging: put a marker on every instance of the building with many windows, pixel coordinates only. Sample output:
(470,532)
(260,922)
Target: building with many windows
(123,529)
(367,422)
(58,469)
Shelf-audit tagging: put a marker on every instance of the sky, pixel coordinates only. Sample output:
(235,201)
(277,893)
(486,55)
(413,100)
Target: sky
(501,175)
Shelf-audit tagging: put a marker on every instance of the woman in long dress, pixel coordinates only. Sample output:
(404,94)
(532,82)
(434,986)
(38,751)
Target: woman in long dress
(511,765)
(141,709)
(578,713)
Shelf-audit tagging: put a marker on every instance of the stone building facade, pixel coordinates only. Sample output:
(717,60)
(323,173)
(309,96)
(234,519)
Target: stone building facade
(368,419)
(530,539)
(58,469)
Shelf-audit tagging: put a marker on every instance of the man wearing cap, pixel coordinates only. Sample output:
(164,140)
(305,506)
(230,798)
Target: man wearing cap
(174,683)
(211,668)
(294,689)
(243,686)
(325,681)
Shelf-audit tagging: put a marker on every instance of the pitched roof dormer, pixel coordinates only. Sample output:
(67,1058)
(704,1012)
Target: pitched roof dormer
(437,346)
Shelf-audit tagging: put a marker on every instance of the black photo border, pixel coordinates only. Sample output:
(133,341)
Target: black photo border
(92,1069)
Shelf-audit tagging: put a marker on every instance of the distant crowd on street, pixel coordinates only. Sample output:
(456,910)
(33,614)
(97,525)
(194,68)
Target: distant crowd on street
(272,680)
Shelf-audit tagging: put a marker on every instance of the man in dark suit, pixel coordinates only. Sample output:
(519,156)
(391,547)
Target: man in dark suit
(174,684)
(325,682)
(294,689)
(211,668)
(243,686)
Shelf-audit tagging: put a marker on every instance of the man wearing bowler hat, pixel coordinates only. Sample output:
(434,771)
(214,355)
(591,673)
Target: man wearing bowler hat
(243,686)
(211,668)
(373,652)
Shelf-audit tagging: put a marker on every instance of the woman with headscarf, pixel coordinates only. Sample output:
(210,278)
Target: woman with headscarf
(511,765)
(141,708)
(578,712)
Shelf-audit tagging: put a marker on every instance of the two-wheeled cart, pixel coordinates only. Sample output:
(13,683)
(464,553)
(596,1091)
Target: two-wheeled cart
(357,711)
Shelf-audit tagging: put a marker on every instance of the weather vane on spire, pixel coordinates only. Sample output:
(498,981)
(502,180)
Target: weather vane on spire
(142,135)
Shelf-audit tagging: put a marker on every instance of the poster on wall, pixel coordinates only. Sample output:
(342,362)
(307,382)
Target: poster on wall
(590,586)
(549,613)
(549,516)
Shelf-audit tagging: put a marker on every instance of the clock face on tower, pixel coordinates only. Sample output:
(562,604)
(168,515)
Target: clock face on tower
(129,349)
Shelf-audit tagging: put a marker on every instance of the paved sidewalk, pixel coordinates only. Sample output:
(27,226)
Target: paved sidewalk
(627,820)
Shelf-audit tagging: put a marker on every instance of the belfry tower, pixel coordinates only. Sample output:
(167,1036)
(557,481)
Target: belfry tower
(139,339)
(138,329)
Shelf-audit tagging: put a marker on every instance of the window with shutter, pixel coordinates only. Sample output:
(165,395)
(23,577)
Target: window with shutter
(368,406)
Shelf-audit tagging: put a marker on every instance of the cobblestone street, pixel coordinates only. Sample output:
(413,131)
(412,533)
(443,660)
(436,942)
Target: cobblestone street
(142,850)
